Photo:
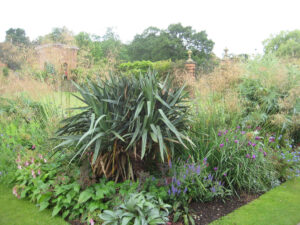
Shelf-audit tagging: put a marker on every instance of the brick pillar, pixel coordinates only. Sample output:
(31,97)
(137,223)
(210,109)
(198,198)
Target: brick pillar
(190,65)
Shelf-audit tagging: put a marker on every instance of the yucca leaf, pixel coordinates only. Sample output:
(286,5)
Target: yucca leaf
(171,126)
(96,152)
(144,142)
(138,110)
(160,142)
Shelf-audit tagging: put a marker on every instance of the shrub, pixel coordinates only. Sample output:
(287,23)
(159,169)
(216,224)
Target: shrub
(5,72)
(141,67)
(242,159)
(125,120)
(138,208)
(269,93)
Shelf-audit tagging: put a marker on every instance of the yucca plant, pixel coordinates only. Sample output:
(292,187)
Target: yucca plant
(125,120)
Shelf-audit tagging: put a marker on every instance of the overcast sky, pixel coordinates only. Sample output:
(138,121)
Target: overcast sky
(239,25)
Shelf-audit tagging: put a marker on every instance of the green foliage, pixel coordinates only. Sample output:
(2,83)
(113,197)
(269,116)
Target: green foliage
(138,208)
(270,95)
(16,36)
(155,44)
(5,72)
(141,67)
(242,159)
(126,119)
(12,55)
(24,124)
(286,43)
(54,185)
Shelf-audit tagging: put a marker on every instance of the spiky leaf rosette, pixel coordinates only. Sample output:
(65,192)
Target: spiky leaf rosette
(124,120)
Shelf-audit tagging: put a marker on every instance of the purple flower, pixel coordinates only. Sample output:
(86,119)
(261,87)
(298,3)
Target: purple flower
(272,139)
(216,168)
(33,147)
(198,170)
(169,192)
(178,183)
(253,144)
(236,141)
(221,145)
(213,189)
(226,139)
(249,143)
(238,127)
(225,174)
(243,132)
(253,156)
(220,133)
(257,138)
(265,154)
(173,189)
(185,190)
(247,156)
(184,176)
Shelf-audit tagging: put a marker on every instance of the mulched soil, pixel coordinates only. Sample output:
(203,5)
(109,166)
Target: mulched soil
(205,213)
(76,222)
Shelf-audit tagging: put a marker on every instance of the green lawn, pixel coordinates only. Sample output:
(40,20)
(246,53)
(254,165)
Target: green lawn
(21,212)
(280,206)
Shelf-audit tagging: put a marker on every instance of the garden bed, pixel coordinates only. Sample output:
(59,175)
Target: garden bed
(207,212)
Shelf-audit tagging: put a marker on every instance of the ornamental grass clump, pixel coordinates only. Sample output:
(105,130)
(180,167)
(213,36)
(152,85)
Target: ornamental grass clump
(125,121)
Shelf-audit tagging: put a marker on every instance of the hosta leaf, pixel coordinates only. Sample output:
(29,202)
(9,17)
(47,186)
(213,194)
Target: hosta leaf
(125,220)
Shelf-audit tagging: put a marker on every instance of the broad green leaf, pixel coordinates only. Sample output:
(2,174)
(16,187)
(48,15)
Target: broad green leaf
(85,195)
(56,210)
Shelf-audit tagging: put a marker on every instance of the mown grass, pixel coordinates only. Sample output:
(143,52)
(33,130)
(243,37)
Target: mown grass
(21,212)
(280,206)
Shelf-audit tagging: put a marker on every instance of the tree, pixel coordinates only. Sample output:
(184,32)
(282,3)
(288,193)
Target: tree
(17,36)
(155,44)
(11,55)
(284,44)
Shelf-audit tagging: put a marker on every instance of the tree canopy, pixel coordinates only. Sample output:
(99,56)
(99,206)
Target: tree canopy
(16,36)
(286,43)
(155,44)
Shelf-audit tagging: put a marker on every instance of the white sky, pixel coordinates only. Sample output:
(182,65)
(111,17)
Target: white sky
(240,25)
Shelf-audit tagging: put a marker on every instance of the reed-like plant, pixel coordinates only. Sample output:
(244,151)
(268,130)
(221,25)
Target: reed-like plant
(124,121)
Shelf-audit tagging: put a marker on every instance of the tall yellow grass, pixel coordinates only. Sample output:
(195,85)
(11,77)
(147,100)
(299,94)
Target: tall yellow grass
(12,86)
